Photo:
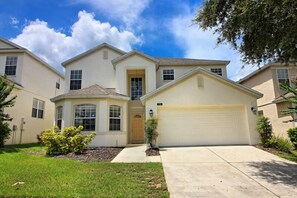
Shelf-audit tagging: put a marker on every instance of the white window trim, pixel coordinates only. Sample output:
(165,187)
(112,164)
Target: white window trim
(96,117)
(81,85)
(217,68)
(57,116)
(121,118)
(283,78)
(16,66)
(168,74)
(43,110)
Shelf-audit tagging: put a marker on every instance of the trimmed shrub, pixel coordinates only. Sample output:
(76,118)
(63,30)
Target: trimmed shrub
(292,133)
(281,143)
(150,127)
(264,128)
(69,140)
(4,133)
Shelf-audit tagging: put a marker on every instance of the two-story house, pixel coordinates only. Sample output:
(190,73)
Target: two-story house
(266,80)
(113,92)
(35,83)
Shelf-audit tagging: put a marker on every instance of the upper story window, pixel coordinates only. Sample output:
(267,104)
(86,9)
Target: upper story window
(217,71)
(38,108)
(136,88)
(283,76)
(105,54)
(85,115)
(75,79)
(58,84)
(11,65)
(59,115)
(114,118)
(168,74)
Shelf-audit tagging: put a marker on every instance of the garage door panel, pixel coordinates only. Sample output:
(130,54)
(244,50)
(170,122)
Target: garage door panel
(202,126)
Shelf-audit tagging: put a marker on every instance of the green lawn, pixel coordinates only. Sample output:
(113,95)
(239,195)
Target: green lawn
(51,177)
(289,156)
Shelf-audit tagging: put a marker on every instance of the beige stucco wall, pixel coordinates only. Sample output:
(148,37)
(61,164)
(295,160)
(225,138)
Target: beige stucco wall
(38,82)
(181,70)
(131,63)
(104,137)
(266,83)
(214,93)
(95,69)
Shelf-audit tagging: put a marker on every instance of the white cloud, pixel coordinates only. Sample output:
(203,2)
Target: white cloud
(128,11)
(55,47)
(197,43)
(14,22)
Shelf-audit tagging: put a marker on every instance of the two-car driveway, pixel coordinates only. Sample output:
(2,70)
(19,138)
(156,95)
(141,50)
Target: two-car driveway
(227,171)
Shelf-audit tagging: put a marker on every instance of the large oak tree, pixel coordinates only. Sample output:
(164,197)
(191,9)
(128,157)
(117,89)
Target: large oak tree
(261,30)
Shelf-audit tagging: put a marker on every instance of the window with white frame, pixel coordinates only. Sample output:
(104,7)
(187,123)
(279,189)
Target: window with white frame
(114,118)
(85,115)
(38,108)
(136,88)
(11,65)
(283,76)
(59,115)
(217,71)
(168,74)
(75,79)
(58,84)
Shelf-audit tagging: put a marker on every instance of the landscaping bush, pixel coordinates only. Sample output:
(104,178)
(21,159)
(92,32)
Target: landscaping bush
(264,128)
(4,133)
(292,133)
(150,127)
(281,143)
(69,140)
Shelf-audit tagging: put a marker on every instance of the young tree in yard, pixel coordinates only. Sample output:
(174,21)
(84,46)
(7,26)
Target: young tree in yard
(5,89)
(262,30)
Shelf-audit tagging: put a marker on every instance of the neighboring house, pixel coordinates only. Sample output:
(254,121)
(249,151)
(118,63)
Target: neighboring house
(266,80)
(35,83)
(113,92)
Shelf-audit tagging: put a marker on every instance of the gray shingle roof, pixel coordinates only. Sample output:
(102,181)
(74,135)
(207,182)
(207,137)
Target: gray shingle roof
(189,61)
(94,91)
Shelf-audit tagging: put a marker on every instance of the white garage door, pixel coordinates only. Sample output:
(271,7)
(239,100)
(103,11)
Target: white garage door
(202,126)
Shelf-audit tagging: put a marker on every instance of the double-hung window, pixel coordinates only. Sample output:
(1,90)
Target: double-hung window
(38,108)
(114,118)
(217,71)
(85,115)
(59,115)
(168,74)
(11,65)
(75,79)
(283,76)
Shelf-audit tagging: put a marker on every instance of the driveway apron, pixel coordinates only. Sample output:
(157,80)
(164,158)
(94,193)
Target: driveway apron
(227,171)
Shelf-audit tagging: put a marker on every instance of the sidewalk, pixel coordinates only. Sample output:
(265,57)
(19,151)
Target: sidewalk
(135,153)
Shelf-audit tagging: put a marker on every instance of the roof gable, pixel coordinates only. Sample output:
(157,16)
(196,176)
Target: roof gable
(6,44)
(90,51)
(133,53)
(207,73)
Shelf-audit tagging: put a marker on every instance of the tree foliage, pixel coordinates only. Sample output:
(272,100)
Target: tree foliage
(262,30)
(264,129)
(5,89)
(290,96)
(150,127)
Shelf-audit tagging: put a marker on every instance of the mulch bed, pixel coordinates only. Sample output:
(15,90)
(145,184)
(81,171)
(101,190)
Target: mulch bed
(270,150)
(98,154)
(152,152)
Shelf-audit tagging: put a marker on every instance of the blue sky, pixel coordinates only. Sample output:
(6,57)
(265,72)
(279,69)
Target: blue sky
(56,30)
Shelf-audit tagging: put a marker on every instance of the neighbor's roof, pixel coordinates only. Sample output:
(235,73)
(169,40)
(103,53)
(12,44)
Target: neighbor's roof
(254,73)
(134,52)
(18,49)
(190,62)
(206,72)
(91,51)
(94,91)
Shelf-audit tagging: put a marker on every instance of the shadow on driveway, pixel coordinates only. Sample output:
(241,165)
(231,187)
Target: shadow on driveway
(276,172)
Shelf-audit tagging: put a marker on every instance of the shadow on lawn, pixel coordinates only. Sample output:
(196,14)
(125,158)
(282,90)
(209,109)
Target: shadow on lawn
(16,148)
(276,172)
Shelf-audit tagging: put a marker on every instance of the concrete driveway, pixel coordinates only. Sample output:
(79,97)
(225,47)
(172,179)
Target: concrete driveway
(227,171)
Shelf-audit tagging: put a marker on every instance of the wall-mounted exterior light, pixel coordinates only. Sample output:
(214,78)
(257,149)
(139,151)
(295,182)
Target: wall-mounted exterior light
(151,112)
